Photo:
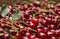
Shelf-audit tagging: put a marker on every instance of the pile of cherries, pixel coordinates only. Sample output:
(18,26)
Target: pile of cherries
(38,21)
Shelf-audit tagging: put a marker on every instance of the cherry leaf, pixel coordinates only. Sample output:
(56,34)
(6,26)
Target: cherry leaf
(15,16)
(5,11)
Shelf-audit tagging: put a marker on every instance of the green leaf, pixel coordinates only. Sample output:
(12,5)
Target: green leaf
(5,11)
(15,16)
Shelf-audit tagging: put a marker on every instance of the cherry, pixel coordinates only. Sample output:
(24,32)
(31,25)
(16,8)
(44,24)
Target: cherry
(35,21)
(50,16)
(52,27)
(18,36)
(33,37)
(46,1)
(45,30)
(32,25)
(55,21)
(47,8)
(42,36)
(57,33)
(51,6)
(6,36)
(49,35)
(11,31)
(37,4)
(16,23)
(12,10)
(28,35)
(40,16)
(7,18)
(24,7)
(1,30)
(27,15)
(44,22)
(2,20)
(49,20)
(29,30)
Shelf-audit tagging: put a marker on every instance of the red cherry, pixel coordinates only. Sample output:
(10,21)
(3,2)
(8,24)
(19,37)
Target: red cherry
(45,30)
(1,30)
(49,16)
(35,21)
(49,35)
(57,33)
(42,36)
(33,37)
(29,30)
(52,27)
(40,16)
(28,35)
(11,31)
(51,6)
(7,18)
(44,22)
(55,21)
(18,36)
(32,25)
(16,23)
(27,15)
(2,20)
(24,7)
(6,36)
(49,20)
(47,8)
(46,1)
(37,4)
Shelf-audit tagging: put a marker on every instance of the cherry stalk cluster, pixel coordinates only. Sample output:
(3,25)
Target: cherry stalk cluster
(37,20)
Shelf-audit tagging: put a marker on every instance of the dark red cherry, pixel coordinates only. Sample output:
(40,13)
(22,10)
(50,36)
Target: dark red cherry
(1,30)
(52,27)
(15,23)
(6,36)
(11,31)
(47,8)
(45,30)
(49,35)
(44,22)
(18,36)
(24,7)
(49,20)
(37,4)
(33,37)
(2,20)
(55,21)
(27,15)
(40,16)
(6,18)
(57,33)
(32,25)
(35,21)
(28,35)
(42,36)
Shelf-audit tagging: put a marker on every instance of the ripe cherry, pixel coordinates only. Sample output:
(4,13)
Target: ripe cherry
(52,27)
(18,36)
(45,30)
(49,35)
(42,36)
(6,36)
(35,21)
(27,15)
(37,4)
